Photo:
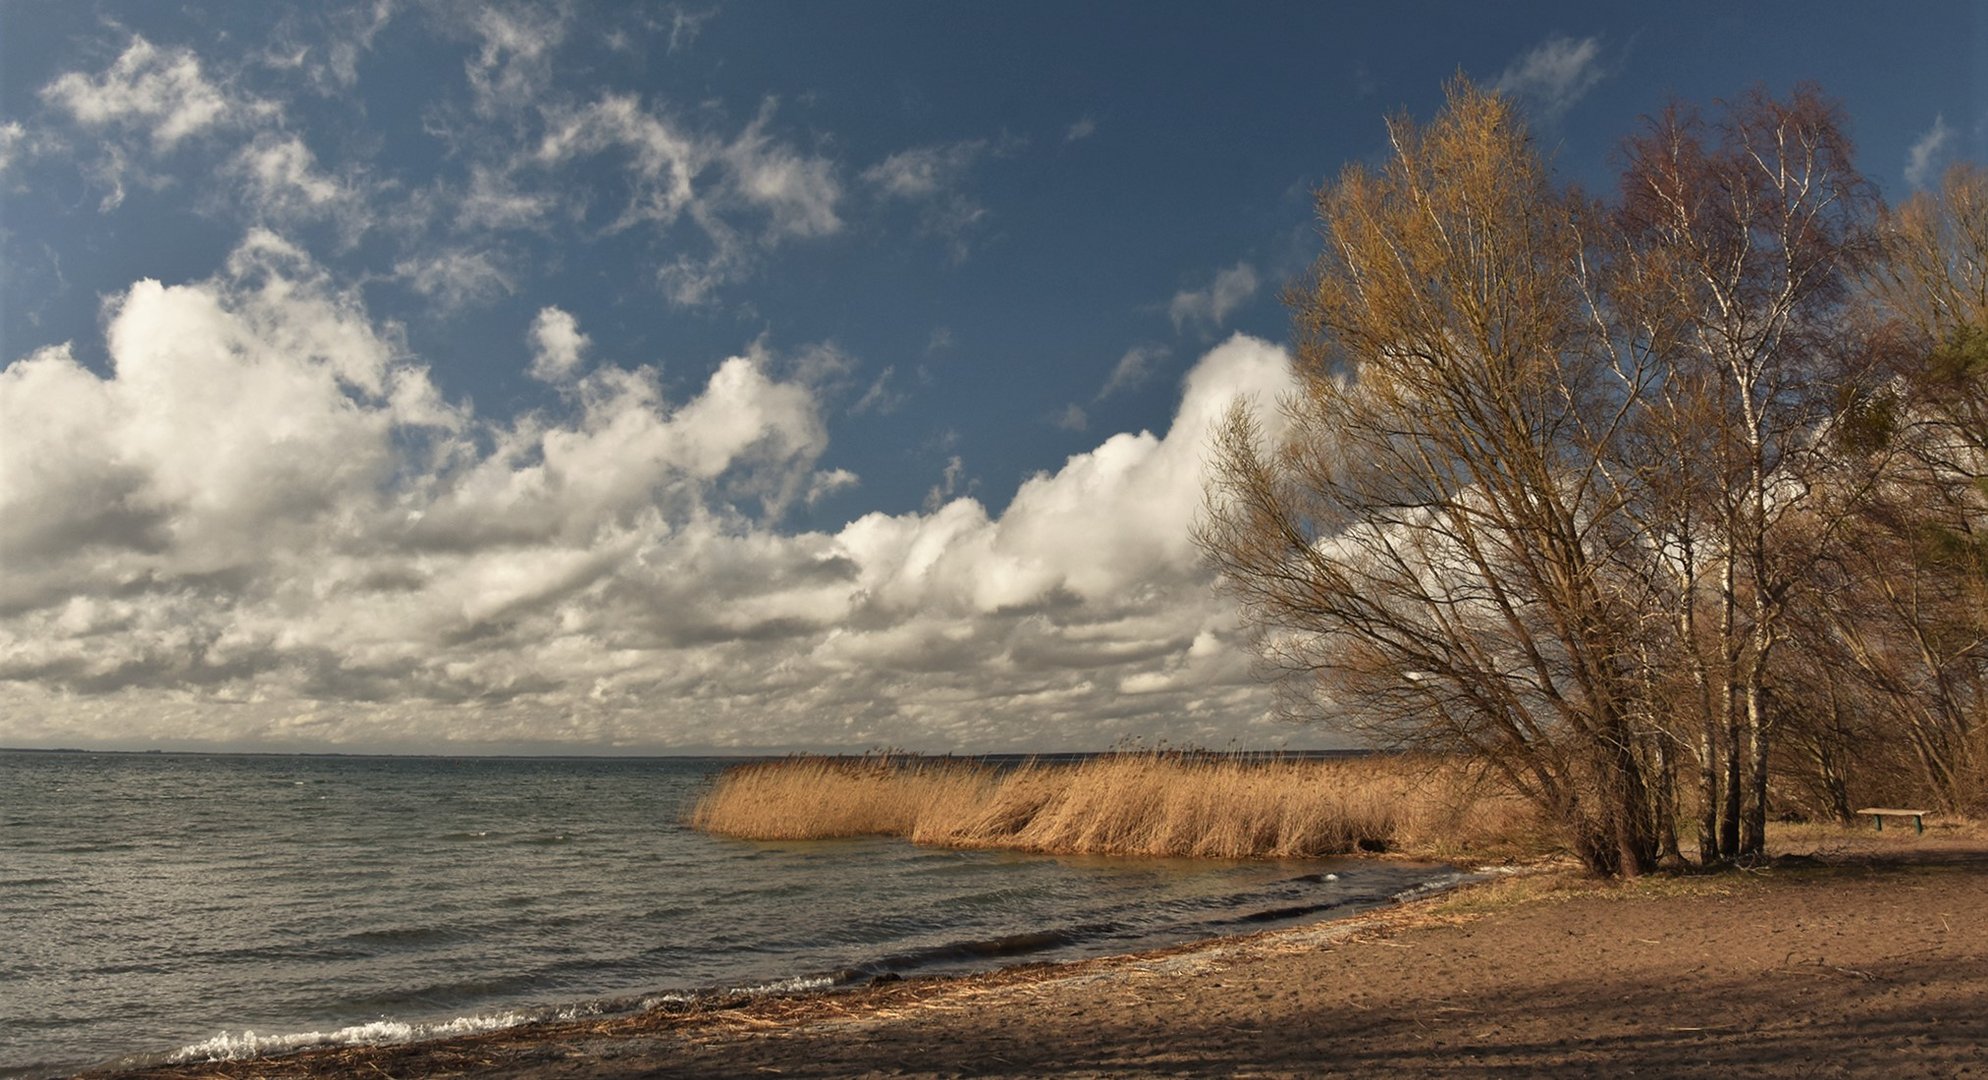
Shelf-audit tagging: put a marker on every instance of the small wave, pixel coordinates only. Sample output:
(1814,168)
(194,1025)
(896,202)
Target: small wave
(994,948)
(397,936)
(1295,911)
(798,984)
(1430,887)
(234,1046)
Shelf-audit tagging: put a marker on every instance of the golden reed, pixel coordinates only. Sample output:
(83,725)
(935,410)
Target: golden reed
(1145,803)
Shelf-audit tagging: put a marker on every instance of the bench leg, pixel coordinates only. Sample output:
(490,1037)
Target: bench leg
(1879,818)
(1920,820)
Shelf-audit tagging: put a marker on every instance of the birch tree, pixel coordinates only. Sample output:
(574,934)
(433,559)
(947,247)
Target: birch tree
(1427,552)
(1754,223)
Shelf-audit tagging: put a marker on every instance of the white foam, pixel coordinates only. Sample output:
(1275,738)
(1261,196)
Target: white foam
(795,985)
(233,1046)
(1426,888)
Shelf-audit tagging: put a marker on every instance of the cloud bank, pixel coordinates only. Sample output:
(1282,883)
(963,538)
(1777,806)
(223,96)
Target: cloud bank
(263,526)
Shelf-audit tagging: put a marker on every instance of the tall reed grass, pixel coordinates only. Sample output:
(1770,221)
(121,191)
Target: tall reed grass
(1146,803)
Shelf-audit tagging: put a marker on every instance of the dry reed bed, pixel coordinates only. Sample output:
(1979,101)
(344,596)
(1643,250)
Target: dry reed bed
(1149,803)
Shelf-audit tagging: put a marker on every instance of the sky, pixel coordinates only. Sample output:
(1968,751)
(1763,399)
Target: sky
(486,377)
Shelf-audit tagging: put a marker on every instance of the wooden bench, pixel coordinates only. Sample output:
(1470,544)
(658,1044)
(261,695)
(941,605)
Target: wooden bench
(1879,813)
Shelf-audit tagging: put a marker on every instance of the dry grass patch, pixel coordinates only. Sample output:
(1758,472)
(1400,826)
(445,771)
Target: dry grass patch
(1149,803)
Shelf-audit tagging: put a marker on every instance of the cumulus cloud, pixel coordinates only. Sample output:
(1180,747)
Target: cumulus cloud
(556,343)
(1210,307)
(263,526)
(1553,75)
(1924,158)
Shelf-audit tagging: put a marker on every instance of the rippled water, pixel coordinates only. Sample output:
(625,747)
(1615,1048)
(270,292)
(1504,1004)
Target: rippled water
(157,903)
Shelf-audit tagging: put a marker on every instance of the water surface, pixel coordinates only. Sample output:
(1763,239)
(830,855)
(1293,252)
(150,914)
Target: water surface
(212,905)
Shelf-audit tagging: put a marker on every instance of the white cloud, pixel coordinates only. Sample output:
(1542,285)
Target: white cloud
(935,178)
(13,140)
(144,106)
(513,63)
(494,201)
(352,36)
(556,345)
(824,484)
(1553,75)
(799,191)
(949,484)
(281,182)
(264,527)
(675,174)
(1136,366)
(880,398)
(1084,128)
(325,43)
(1927,154)
(284,173)
(925,171)
(1072,418)
(1210,307)
(160,92)
(686,24)
(456,278)
(661,160)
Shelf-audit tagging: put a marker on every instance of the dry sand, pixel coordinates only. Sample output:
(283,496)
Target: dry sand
(1869,960)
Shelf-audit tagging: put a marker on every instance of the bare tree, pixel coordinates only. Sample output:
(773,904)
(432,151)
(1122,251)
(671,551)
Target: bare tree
(1916,629)
(1427,549)
(1747,229)
(1557,473)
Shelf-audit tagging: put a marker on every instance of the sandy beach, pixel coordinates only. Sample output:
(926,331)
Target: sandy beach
(1851,956)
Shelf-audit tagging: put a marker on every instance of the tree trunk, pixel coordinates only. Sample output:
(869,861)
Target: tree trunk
(1753,842)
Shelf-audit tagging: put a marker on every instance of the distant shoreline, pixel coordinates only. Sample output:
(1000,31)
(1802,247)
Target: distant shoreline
(714,755)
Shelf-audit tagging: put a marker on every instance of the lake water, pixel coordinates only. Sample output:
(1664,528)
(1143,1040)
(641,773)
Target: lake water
(158,906)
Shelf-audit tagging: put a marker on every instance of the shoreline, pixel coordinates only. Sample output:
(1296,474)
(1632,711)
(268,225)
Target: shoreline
(1537,969)
(790,996)
(800,997)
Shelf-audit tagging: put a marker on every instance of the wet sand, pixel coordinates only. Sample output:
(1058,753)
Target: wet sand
(1866,958)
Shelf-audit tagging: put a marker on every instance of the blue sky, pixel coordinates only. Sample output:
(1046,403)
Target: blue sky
(428,375)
